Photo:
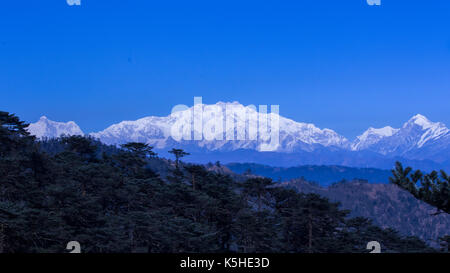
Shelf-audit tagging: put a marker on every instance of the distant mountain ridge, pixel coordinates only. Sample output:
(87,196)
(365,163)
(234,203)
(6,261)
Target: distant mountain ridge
(323,175)
(422,143)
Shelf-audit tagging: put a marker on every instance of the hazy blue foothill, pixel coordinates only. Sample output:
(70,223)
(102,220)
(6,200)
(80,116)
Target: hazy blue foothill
(323,175)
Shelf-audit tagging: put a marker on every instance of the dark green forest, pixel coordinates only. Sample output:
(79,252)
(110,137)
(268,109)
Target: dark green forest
(118,200)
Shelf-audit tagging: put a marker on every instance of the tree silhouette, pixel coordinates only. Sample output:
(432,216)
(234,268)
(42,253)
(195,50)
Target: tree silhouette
(139,149)
(430,188)
(195,171)
(13,134)
(83,146)
(257,188)
(178,153)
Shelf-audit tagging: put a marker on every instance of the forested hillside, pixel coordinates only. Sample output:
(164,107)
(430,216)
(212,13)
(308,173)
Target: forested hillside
(120,200)
(385,204)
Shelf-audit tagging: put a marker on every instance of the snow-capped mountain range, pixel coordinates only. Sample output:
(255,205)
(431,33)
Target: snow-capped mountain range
(418,135)
(45,128)
(417,139)
(157,131)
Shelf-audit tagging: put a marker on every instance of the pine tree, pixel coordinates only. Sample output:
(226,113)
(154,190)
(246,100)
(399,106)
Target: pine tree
(432,189)
(140,149)
(178,153)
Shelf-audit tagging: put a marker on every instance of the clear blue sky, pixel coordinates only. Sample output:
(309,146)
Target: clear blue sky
(342,64)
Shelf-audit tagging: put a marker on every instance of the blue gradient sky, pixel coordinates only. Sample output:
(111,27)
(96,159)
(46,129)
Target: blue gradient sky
(343,65)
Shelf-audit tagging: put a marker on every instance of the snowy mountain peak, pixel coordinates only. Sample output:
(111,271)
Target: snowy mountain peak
(425,129)
(52,129)
(416,133)
(385,131)
(223,103)
(372,136)
(420,120)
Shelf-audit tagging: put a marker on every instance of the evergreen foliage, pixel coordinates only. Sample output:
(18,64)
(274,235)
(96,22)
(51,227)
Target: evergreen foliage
(111,200)
(431,188)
